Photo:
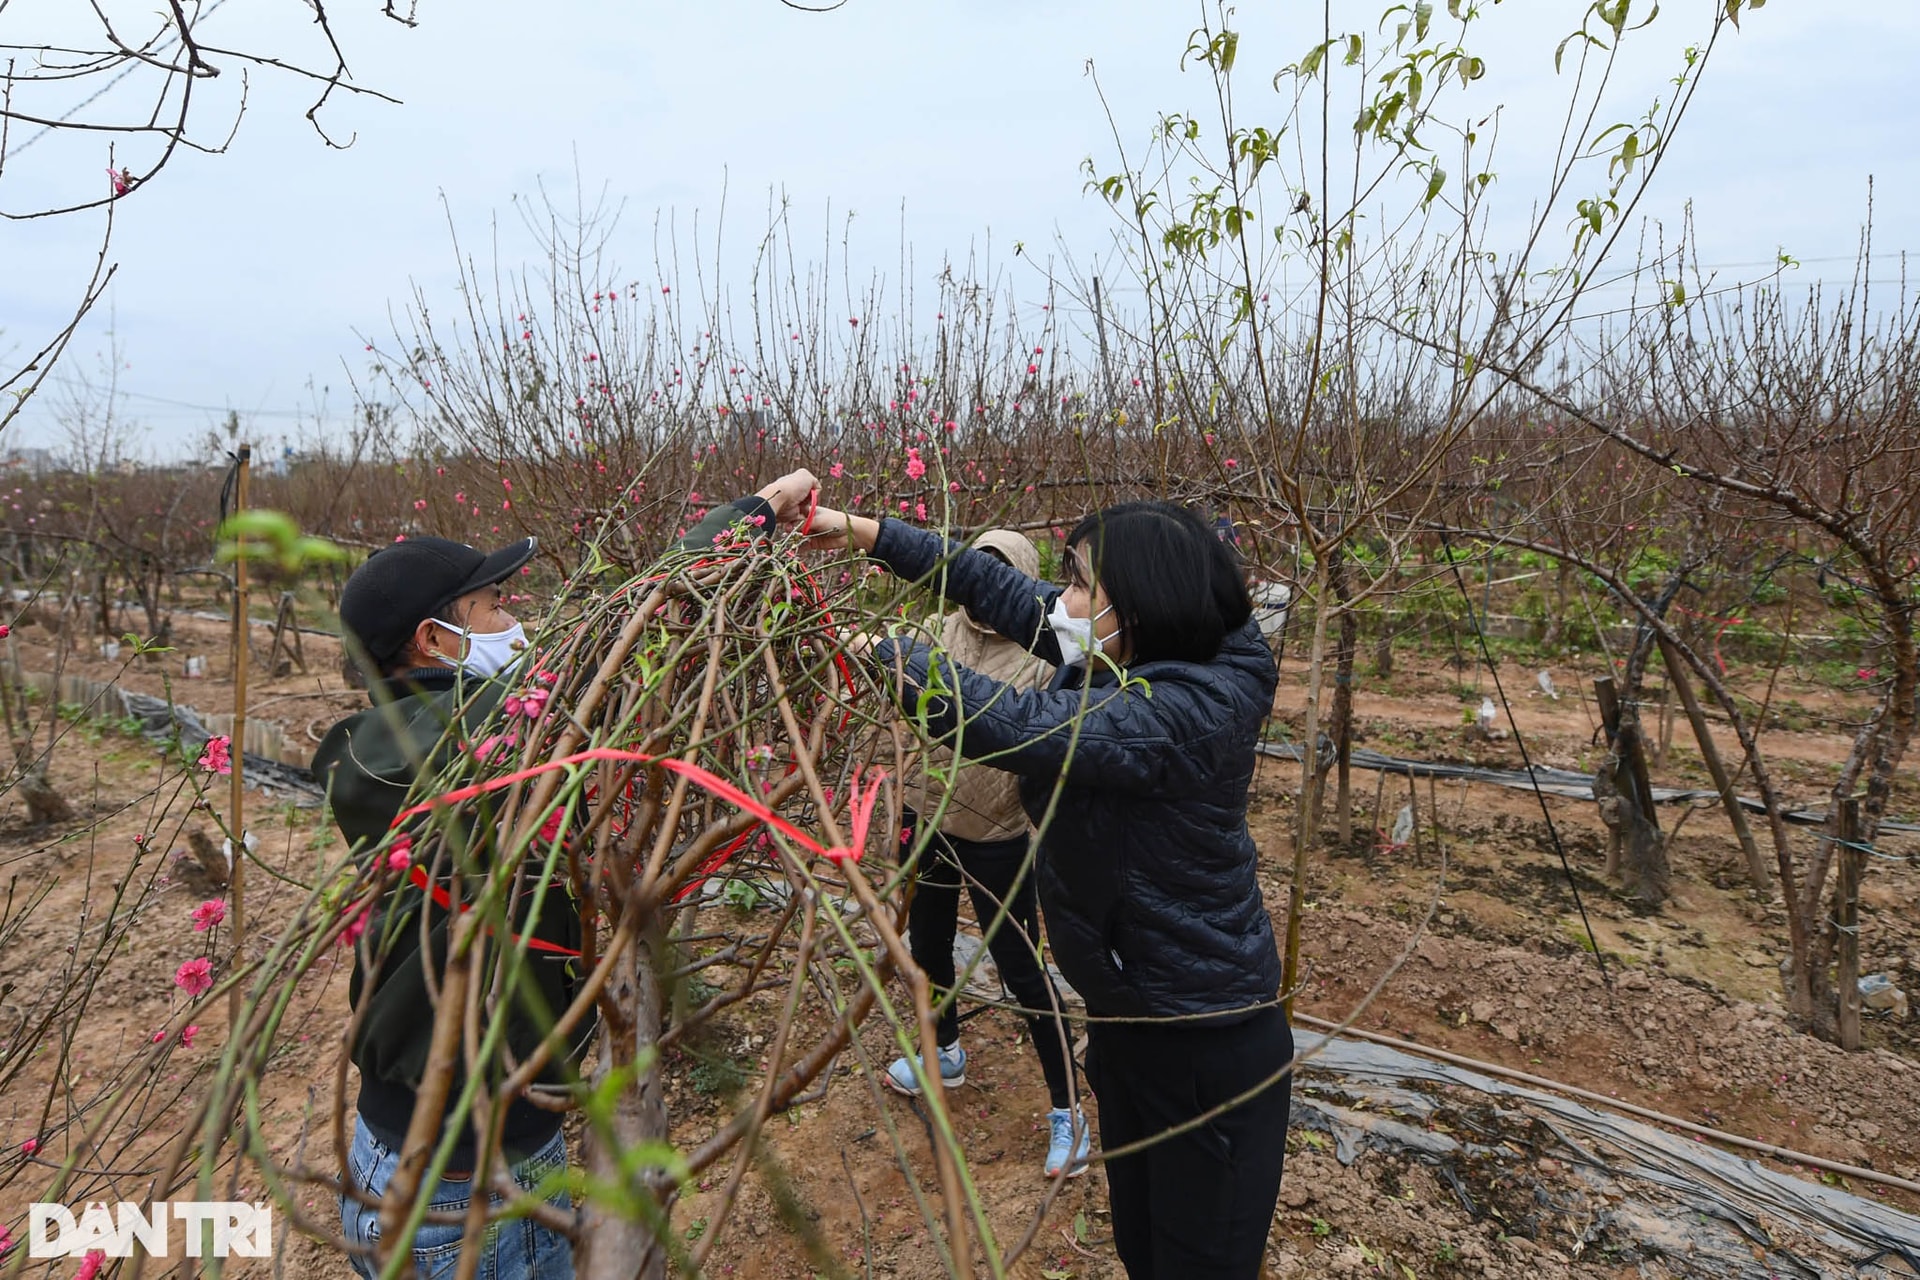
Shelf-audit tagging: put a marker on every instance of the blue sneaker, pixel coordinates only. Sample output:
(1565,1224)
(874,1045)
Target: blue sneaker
(1067,1148)
(953,1071)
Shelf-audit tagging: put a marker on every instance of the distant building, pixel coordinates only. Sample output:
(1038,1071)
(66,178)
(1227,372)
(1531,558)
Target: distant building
(33,462)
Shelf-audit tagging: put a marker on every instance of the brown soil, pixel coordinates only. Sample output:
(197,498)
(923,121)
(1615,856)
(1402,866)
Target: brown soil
(1691,1023)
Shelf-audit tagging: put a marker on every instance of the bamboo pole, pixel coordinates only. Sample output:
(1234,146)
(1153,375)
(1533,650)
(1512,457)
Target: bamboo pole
(237,800)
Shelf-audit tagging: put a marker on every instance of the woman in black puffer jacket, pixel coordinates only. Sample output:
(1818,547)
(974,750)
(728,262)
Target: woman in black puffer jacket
(1136,762)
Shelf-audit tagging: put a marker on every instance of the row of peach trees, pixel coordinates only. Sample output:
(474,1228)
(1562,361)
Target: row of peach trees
(1747,463)
(1410,406)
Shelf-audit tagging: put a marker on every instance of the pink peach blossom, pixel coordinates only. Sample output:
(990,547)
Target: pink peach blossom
(195,976)
(217,756)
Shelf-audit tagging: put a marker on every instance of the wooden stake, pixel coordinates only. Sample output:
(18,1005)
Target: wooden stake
(237,801)
(286,638)
(1433,810)
(1413,808)
(1847,903)
(1757,874)
(1666,727)
(1382,827)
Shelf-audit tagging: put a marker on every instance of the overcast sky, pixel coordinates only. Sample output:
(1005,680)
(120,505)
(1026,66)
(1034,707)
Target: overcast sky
(245,277)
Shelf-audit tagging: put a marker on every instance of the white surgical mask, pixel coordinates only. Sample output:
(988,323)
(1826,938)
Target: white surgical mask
(1076,635)
(489,652)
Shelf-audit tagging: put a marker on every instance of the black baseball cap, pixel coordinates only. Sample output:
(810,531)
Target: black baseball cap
(402,585)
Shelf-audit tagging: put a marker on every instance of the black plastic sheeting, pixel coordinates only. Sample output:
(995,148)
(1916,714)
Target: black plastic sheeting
(162,721)
(1632,1193)
(1554,782)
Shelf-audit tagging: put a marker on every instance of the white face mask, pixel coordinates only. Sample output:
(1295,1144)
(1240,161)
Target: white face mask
(489,652)
(1076,635)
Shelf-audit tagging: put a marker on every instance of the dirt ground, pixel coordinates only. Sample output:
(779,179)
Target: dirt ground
(1689,1020)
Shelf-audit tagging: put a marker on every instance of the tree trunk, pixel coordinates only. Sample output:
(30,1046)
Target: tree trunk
(44,804)
(1310,778)
(1556,633)
(1878,750)
(103,599)
(1389,629)
(633,1011)
(1637,854)
(1344,652)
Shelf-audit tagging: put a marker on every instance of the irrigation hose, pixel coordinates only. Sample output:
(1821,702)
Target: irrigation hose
(1615,1104)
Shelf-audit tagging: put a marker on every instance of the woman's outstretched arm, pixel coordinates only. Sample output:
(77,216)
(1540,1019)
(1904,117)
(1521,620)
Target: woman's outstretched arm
(993,591)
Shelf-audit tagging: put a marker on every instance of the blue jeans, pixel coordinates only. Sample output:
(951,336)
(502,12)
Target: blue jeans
(517,1249)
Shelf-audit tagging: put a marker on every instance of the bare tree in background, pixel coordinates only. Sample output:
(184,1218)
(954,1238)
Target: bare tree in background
(97,99)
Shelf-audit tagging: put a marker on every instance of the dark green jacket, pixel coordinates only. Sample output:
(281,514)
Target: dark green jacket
(370,761)
(372,764)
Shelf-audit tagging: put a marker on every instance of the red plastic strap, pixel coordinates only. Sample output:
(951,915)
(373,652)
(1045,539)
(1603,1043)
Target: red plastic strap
(1725,623)
(860,809)
(705,779)
(444,900)
(717,859)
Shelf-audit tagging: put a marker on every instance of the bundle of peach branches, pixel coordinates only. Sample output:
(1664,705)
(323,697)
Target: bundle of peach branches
(695,724)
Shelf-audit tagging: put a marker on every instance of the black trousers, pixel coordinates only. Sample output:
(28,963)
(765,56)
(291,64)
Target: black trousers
(1197,1206)
(987,870)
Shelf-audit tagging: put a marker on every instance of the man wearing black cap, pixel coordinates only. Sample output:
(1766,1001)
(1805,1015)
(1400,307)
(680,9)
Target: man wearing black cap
(430,605)
(425,619)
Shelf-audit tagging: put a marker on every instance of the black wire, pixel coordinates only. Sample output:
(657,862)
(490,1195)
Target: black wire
(1527,761)
(228,486)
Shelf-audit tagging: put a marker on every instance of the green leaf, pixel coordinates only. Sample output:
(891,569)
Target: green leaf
(1080,1226)
(260,522)
(1310,65)
(1436,183)
(311,550)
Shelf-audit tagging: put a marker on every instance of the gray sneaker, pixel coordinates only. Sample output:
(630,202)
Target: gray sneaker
(953,1071)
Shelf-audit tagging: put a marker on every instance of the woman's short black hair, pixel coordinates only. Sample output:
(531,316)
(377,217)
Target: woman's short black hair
(1178,589)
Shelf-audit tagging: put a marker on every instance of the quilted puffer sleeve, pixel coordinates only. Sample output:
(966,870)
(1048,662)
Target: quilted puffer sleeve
(1151,739)
(993,591)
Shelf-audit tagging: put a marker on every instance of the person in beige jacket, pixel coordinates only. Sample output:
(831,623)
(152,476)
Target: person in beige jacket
(984,845)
